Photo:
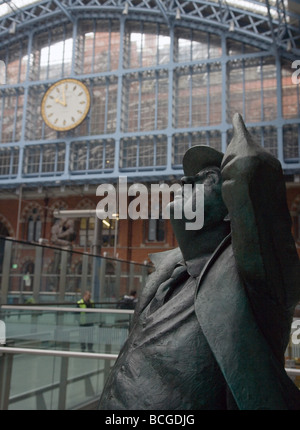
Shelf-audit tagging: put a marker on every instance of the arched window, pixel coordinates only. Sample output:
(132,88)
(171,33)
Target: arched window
(86,232)
(155,230)
(3,230)
(85,228)
(108,232)
(34,226)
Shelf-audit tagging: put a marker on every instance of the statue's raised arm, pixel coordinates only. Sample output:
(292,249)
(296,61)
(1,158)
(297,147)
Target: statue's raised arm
(264,249)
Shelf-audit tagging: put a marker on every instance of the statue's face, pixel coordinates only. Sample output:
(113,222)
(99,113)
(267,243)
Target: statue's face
(212,201)
(189,199)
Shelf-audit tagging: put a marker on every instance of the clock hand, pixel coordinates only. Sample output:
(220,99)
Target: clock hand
(64,97)
(63,103)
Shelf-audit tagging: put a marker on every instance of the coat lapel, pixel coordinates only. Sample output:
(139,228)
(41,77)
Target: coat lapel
(253,374)
(164,263)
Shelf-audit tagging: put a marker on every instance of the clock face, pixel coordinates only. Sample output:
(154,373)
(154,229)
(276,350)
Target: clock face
(65,104)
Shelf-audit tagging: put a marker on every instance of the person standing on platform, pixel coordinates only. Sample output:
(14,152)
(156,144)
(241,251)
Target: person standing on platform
(128,301)
(86,324)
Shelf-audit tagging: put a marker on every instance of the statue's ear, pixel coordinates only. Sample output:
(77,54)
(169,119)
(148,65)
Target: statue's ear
(212,177)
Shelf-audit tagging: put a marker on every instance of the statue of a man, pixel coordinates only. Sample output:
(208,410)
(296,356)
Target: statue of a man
(63,233)
(213,322)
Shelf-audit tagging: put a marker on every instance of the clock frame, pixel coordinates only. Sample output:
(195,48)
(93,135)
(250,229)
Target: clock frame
(65,104)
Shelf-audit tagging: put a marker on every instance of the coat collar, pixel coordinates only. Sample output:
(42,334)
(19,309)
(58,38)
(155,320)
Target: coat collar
(172,256)
(220,248)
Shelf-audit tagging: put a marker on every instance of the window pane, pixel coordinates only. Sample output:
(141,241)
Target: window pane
(16,59)
(183,141)
(103,111)
(146,45)
(252,89)
(143,152)
(194,45)
(291,139)
(152,229)
(30,230)
(38,230)
(182,101)
(11,115)
(145,101)
(92,156)
(9,158)
(156,230)
(235,89)
(215,94)
(31,165)
(199,97)
(52,54)
(42,159)
(35,127)
(269,89)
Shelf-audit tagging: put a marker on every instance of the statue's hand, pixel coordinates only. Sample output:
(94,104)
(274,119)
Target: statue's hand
(243,154)
(242,144)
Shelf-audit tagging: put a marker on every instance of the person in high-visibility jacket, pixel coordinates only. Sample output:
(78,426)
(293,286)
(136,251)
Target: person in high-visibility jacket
(86,322)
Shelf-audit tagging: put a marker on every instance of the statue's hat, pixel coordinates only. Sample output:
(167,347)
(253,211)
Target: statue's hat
(199,157)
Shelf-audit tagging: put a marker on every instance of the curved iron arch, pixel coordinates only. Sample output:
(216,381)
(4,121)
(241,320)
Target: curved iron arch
(213,15)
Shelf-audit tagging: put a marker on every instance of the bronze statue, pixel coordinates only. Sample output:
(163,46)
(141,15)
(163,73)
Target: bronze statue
(63,233)
(62,236)
(212,324)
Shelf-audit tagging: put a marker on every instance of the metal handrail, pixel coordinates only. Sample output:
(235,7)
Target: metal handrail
(12,351)
(41,390)
(77,354)
(292,371)
(52,247)
(57,353)
(8,353)
(64,309)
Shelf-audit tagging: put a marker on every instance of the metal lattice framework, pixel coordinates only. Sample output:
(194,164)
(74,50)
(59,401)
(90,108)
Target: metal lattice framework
(265,23)
(145,114)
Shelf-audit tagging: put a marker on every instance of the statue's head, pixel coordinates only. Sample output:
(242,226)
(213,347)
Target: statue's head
(202,165)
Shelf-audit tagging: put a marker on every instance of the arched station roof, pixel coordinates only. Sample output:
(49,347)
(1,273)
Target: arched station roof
(262,23)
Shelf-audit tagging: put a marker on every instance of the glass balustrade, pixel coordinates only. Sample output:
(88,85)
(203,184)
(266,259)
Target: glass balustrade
(54,355)
(35,273)
(58,357)
(67,329)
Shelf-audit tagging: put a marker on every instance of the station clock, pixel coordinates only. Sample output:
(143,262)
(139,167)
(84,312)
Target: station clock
(65,104)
